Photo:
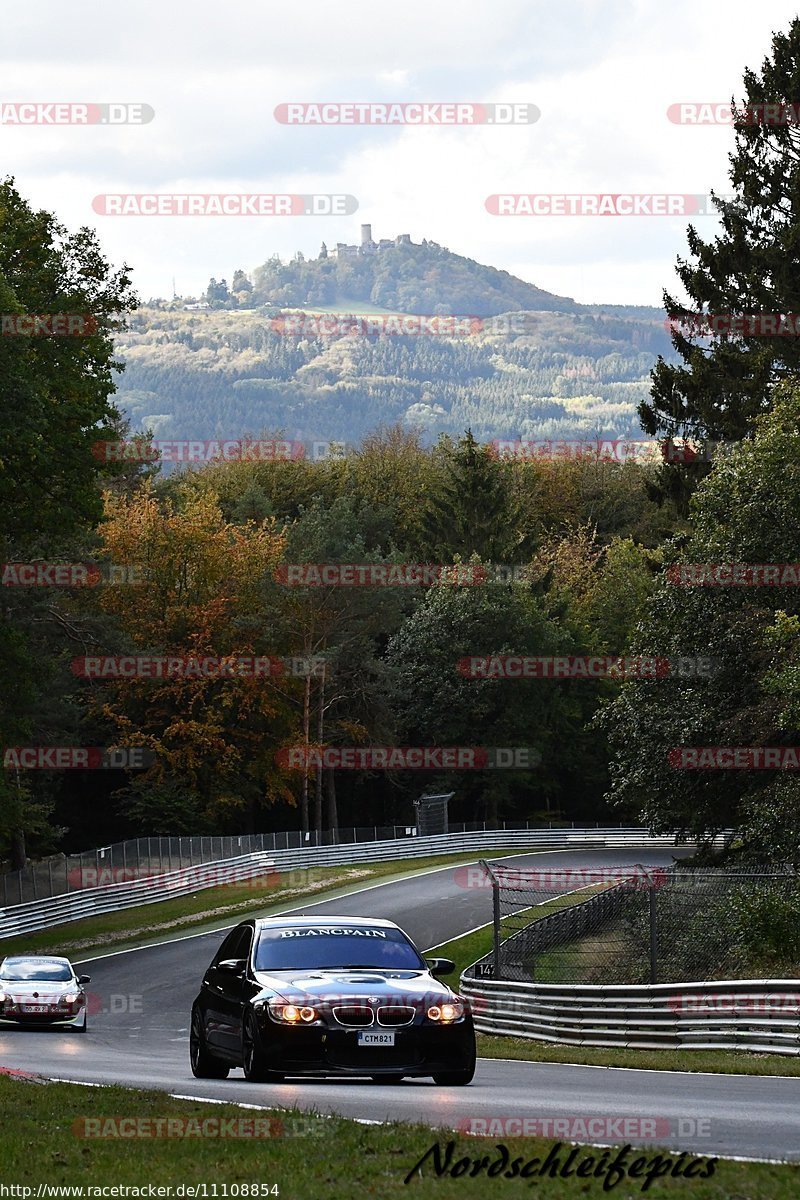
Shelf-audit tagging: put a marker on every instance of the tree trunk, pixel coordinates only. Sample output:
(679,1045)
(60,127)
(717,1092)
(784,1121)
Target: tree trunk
(320,729)
(306,731)
(18,855)
(18,850)
(333,816)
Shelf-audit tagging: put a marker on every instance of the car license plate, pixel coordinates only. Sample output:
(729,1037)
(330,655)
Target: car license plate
(371,1037)
(34,1008)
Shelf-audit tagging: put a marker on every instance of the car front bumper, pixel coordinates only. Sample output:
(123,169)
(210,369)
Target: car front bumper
(418,1049)
(42,1020)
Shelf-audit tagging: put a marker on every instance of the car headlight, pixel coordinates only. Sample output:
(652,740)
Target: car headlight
(292,1014)
(70,998)
(2,997)
(451,1010)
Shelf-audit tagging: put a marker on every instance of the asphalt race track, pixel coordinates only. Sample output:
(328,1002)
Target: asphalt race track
(140,1038)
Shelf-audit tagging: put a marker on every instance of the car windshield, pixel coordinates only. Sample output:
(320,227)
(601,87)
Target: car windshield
(335,946)
(28,968)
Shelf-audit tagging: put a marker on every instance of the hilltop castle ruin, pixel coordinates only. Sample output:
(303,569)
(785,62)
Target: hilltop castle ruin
(368,246)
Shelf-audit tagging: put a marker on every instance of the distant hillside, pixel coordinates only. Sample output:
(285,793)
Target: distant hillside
(403,277)
(222,374)
(564,371)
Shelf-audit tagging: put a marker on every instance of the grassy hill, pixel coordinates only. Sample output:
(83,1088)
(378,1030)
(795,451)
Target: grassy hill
(568,371)
(410,278)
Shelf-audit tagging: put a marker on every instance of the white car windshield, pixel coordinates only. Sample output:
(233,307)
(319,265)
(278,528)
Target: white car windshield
(22,969)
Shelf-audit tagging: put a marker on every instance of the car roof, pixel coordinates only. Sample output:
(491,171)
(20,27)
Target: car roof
(323,920)
(37,958)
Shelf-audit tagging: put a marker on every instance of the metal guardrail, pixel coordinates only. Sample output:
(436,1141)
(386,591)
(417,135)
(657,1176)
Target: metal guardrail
(73,906)
(761,1015)
(137,857)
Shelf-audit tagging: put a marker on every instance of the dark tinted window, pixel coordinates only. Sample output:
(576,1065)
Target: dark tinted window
(236,944)
(335,946)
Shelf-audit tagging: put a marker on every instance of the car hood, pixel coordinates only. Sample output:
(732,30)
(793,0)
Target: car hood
(340,984)
(38,989)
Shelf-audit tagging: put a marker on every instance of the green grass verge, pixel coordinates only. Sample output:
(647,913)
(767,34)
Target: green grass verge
(336,1158)
(214,908)
(468,949)
(718,1062)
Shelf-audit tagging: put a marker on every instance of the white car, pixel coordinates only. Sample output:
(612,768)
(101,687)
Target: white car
(42,991)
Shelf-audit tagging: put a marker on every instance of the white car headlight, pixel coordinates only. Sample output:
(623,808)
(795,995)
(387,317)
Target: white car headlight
(292,1014)
(450,1010)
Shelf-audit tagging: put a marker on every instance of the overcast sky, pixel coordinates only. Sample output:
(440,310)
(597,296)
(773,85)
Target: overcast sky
(602,72)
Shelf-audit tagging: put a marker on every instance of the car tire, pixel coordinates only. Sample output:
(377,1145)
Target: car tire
(455,1078)
(204,1065)
(254,1061)
(459,1077)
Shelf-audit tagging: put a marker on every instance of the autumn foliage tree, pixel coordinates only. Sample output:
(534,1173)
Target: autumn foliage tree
(199,594)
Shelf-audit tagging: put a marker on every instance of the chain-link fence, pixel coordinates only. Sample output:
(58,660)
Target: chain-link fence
(635,924)
(140,858)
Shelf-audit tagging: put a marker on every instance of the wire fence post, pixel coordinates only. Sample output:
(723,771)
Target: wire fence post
(495,916)
(653,934)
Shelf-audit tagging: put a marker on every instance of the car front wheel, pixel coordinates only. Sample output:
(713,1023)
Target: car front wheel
(454,1078)
(254,1061)
(459,1077)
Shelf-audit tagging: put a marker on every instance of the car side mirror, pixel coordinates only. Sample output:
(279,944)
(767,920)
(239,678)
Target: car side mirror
(84,979)
(441,966)
(234,966)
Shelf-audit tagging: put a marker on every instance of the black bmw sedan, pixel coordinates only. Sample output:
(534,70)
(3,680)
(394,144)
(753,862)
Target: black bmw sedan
(346,996)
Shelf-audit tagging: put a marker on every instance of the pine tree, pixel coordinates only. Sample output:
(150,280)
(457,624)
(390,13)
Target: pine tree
(753,266)
(474,510)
